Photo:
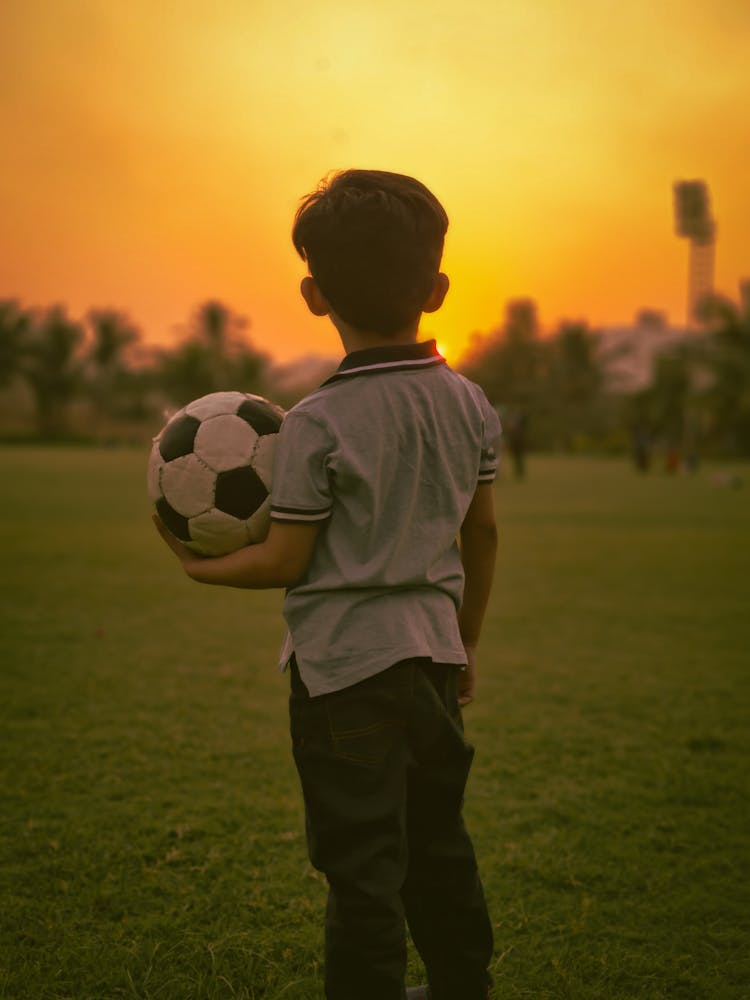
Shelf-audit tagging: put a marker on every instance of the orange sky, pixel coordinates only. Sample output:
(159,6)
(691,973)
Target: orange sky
(153,154)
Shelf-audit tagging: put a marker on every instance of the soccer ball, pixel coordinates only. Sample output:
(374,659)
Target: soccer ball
(209,472)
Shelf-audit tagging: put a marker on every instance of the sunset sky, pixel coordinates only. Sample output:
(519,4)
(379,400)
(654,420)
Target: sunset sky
(153,154)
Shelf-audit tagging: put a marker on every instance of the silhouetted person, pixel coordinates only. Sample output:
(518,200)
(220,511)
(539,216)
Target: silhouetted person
(642,449)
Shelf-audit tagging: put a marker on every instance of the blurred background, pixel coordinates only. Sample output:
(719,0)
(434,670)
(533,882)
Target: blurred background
(592,159)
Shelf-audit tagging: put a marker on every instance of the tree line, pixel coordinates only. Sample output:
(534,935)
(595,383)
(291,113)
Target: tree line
(100,370)
(555,392)
(561,392)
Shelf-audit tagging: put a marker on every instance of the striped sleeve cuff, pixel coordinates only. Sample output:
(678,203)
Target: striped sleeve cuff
(299,515)
(487,475)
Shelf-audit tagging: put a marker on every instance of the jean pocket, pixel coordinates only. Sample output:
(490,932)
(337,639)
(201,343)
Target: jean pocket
(362,728)
(366,747)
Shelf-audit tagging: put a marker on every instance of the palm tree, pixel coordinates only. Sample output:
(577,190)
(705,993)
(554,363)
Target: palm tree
(575,382)
(727,359)
(112,334)
(215,355)
(507,362)
(14,329)
(52,368)
(670,391)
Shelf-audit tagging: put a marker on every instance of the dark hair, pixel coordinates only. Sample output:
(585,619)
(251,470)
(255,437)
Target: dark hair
(373,242)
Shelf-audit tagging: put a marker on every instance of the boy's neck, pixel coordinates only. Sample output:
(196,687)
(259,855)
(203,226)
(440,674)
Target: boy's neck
(361,340)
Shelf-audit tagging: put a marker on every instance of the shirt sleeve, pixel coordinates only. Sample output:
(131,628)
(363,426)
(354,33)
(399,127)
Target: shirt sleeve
(301,490)
(491,434)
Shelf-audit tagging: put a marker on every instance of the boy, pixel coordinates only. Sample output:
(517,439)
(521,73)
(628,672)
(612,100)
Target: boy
(376,474)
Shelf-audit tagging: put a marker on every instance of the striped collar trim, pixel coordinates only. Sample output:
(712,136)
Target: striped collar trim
(399,357)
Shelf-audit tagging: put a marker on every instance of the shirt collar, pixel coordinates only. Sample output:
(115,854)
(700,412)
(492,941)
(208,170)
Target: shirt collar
(389,358)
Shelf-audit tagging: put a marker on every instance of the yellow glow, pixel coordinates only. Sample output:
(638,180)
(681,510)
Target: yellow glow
(154,155)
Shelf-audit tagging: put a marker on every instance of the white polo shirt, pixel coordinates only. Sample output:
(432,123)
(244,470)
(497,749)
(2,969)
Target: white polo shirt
(386,455)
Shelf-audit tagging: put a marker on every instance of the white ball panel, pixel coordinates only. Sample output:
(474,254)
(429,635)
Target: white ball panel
(225,442)
(187,484)
(215,533)
(215,403)
(260,522)
(263,458)
(155,462)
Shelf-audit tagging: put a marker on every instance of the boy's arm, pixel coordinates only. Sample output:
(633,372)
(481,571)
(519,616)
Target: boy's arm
(478,550)
(279,561)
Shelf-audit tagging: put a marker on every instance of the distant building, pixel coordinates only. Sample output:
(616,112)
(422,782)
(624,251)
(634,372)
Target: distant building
(628,352)
(295,379)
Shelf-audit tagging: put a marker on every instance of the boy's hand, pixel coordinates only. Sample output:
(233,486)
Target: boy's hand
(186,556)
(279,561)
(466,678)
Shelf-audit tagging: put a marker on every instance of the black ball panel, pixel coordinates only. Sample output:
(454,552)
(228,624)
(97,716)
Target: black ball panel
(178,437)
(239,492)
(177,523)
(261,417)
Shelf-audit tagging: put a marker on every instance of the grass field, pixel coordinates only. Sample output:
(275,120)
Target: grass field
(151,832)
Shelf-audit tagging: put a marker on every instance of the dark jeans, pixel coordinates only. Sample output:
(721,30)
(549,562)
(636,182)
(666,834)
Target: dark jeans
(383,766)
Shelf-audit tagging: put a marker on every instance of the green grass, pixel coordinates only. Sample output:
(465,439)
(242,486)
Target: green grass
(151,826)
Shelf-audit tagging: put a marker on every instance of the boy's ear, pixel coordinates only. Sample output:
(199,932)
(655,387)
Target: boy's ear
(438,293)
(316,301)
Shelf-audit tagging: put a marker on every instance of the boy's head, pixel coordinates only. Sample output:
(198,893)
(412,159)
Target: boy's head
(373,242)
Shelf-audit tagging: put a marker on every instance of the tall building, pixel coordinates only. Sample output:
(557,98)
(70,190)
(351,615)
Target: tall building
(694,222)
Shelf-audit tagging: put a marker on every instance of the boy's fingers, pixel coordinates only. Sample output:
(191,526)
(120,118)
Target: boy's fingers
(466,678)
(175,545)
(161,528)
(186,556)
(465,688)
